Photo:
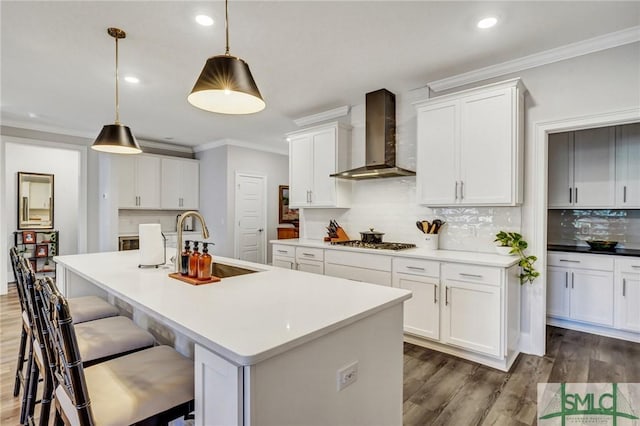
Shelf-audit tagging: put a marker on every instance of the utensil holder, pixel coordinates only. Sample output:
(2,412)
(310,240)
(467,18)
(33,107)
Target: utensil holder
(431,241)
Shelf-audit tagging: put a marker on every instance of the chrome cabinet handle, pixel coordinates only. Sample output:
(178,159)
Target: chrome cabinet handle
(635,266)
(569,260)
(570,195)
(435,293)
(470,275)
(446,295)
(455,191)
(310,196)
(576,197)
(309,254)
(624,287)
(282,251)
(624,194)
(415,268)
(572,280)
(566,280)
(461,190)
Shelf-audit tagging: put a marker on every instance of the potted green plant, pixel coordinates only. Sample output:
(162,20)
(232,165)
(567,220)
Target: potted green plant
(517,245)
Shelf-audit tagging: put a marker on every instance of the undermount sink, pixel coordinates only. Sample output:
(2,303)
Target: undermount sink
(222,270)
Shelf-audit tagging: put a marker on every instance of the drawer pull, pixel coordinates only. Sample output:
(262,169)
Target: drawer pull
(446,295)
(624,287)
(566,280)
(573,280)
(569,260)
(282,251)
(309,254)
(470,275)
(415,268)
(435,294)
(635,266)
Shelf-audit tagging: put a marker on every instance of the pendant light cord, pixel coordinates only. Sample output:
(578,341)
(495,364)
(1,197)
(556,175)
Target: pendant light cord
(117,97)
(226,24)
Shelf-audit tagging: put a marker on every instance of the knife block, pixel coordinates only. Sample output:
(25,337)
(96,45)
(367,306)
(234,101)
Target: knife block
(342,236)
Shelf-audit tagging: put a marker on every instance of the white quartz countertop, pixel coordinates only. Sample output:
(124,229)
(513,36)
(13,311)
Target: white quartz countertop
(487,259)
(247,318)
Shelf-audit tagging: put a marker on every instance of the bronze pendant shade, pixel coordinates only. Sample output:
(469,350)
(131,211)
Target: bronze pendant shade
(116,138)
(225,84)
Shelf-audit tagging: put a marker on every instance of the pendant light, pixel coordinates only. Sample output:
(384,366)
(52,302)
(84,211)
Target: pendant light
(116,138)
(225,84)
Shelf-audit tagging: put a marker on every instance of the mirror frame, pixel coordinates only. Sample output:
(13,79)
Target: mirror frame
(285,214)
(20,197)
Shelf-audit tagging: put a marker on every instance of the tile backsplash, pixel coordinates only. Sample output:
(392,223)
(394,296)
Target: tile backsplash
(389,206)
(128,220)
(576,226)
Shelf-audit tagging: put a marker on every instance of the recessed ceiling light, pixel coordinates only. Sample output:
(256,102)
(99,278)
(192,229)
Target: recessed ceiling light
(132,79)
(487,22)
(204,20)
(33,115)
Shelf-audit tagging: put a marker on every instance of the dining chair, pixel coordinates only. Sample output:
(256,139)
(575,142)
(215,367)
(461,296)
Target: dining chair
(152,386)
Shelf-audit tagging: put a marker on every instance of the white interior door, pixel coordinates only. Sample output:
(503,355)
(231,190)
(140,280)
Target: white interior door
(251,218)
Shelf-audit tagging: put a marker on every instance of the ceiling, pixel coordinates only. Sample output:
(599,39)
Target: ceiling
(57,63)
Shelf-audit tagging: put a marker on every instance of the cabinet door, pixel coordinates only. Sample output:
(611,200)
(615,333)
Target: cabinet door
(300,170)
(323,191)
(283,262)
(311,266)
(560,170)
(190,178)
(437,164)
(422,311)
(127,193)
(472,317)
(558,292)
(148,182)
(594,167)
(627,169)
(487,163)
(171,184)
(592,296)
(628,310)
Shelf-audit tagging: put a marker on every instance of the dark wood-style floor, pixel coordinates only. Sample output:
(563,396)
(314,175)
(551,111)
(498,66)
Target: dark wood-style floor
(438,389)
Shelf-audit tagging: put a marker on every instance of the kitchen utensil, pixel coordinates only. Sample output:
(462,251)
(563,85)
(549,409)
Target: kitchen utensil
(438,224)
(371,236)
(419,226)
(602,244)
(425,226)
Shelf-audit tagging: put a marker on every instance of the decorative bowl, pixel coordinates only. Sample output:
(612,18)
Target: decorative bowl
(602,244)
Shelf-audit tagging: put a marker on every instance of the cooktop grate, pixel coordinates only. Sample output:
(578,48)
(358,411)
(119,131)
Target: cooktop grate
(378,246)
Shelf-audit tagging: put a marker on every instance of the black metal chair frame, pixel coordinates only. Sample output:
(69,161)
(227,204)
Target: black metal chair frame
(66,364)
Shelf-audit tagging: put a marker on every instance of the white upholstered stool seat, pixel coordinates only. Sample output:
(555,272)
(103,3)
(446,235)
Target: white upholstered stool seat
(134,387)
(89,308)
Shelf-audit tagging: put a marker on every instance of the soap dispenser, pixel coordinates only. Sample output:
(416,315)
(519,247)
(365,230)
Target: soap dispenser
(204,263)
(184,258)
(193,261)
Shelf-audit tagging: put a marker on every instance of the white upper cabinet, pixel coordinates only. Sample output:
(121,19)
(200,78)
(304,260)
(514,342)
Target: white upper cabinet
(180,184)
(314,154)
(470,147)
(628,166)
(582,169)
(138,182)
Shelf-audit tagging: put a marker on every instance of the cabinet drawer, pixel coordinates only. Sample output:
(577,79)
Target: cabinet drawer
(471,273)
(360,260)
(308,253)
(284,251)
(628,265)
(598,262)
(426,268)
(358,274)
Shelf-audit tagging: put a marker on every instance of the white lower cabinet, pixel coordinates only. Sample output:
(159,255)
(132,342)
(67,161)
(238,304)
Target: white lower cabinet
(472,309)
(580,287)
(370,268)
(284,256)
(627,294)
(310,260)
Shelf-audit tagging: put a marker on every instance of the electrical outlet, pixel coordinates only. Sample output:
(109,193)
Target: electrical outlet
(347,375)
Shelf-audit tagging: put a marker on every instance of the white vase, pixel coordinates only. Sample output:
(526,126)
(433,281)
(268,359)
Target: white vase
(505,251)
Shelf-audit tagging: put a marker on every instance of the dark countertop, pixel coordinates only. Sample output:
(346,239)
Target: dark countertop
(584,249)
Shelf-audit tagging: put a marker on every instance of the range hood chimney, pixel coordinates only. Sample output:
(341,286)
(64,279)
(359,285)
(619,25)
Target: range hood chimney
(380,140)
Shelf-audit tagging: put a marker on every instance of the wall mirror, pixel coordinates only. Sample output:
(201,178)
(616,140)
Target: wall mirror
(285,214)
(35,201)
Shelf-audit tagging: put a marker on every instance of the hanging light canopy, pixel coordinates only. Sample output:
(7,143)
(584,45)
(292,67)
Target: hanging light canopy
(225,84)
(116,138)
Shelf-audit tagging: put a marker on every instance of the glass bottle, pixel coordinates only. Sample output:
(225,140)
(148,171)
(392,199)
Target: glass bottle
(184,259)
(204,263)
(193,261)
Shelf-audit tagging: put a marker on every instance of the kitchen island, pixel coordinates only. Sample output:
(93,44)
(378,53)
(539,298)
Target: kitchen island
(271,347)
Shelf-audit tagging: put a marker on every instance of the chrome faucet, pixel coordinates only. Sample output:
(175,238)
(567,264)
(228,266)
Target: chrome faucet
(205,234)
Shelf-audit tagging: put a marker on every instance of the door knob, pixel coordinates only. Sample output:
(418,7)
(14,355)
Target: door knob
(260,230)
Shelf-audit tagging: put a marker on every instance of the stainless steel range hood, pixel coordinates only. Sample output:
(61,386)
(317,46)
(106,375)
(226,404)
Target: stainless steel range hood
(380,140)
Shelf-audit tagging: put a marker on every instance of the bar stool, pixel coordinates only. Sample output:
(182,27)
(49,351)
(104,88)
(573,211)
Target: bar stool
(86,308)
(151,386)
(98,340)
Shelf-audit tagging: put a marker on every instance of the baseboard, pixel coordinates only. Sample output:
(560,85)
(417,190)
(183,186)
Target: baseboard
(594,329)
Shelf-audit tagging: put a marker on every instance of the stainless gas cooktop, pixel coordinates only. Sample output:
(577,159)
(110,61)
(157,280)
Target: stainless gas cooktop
(379,246)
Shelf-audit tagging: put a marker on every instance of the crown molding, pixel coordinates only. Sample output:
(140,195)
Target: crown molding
(323,116)
(584,47)
(241,144)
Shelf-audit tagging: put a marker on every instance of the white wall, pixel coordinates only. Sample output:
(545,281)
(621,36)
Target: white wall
(65,165)
(213,198)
